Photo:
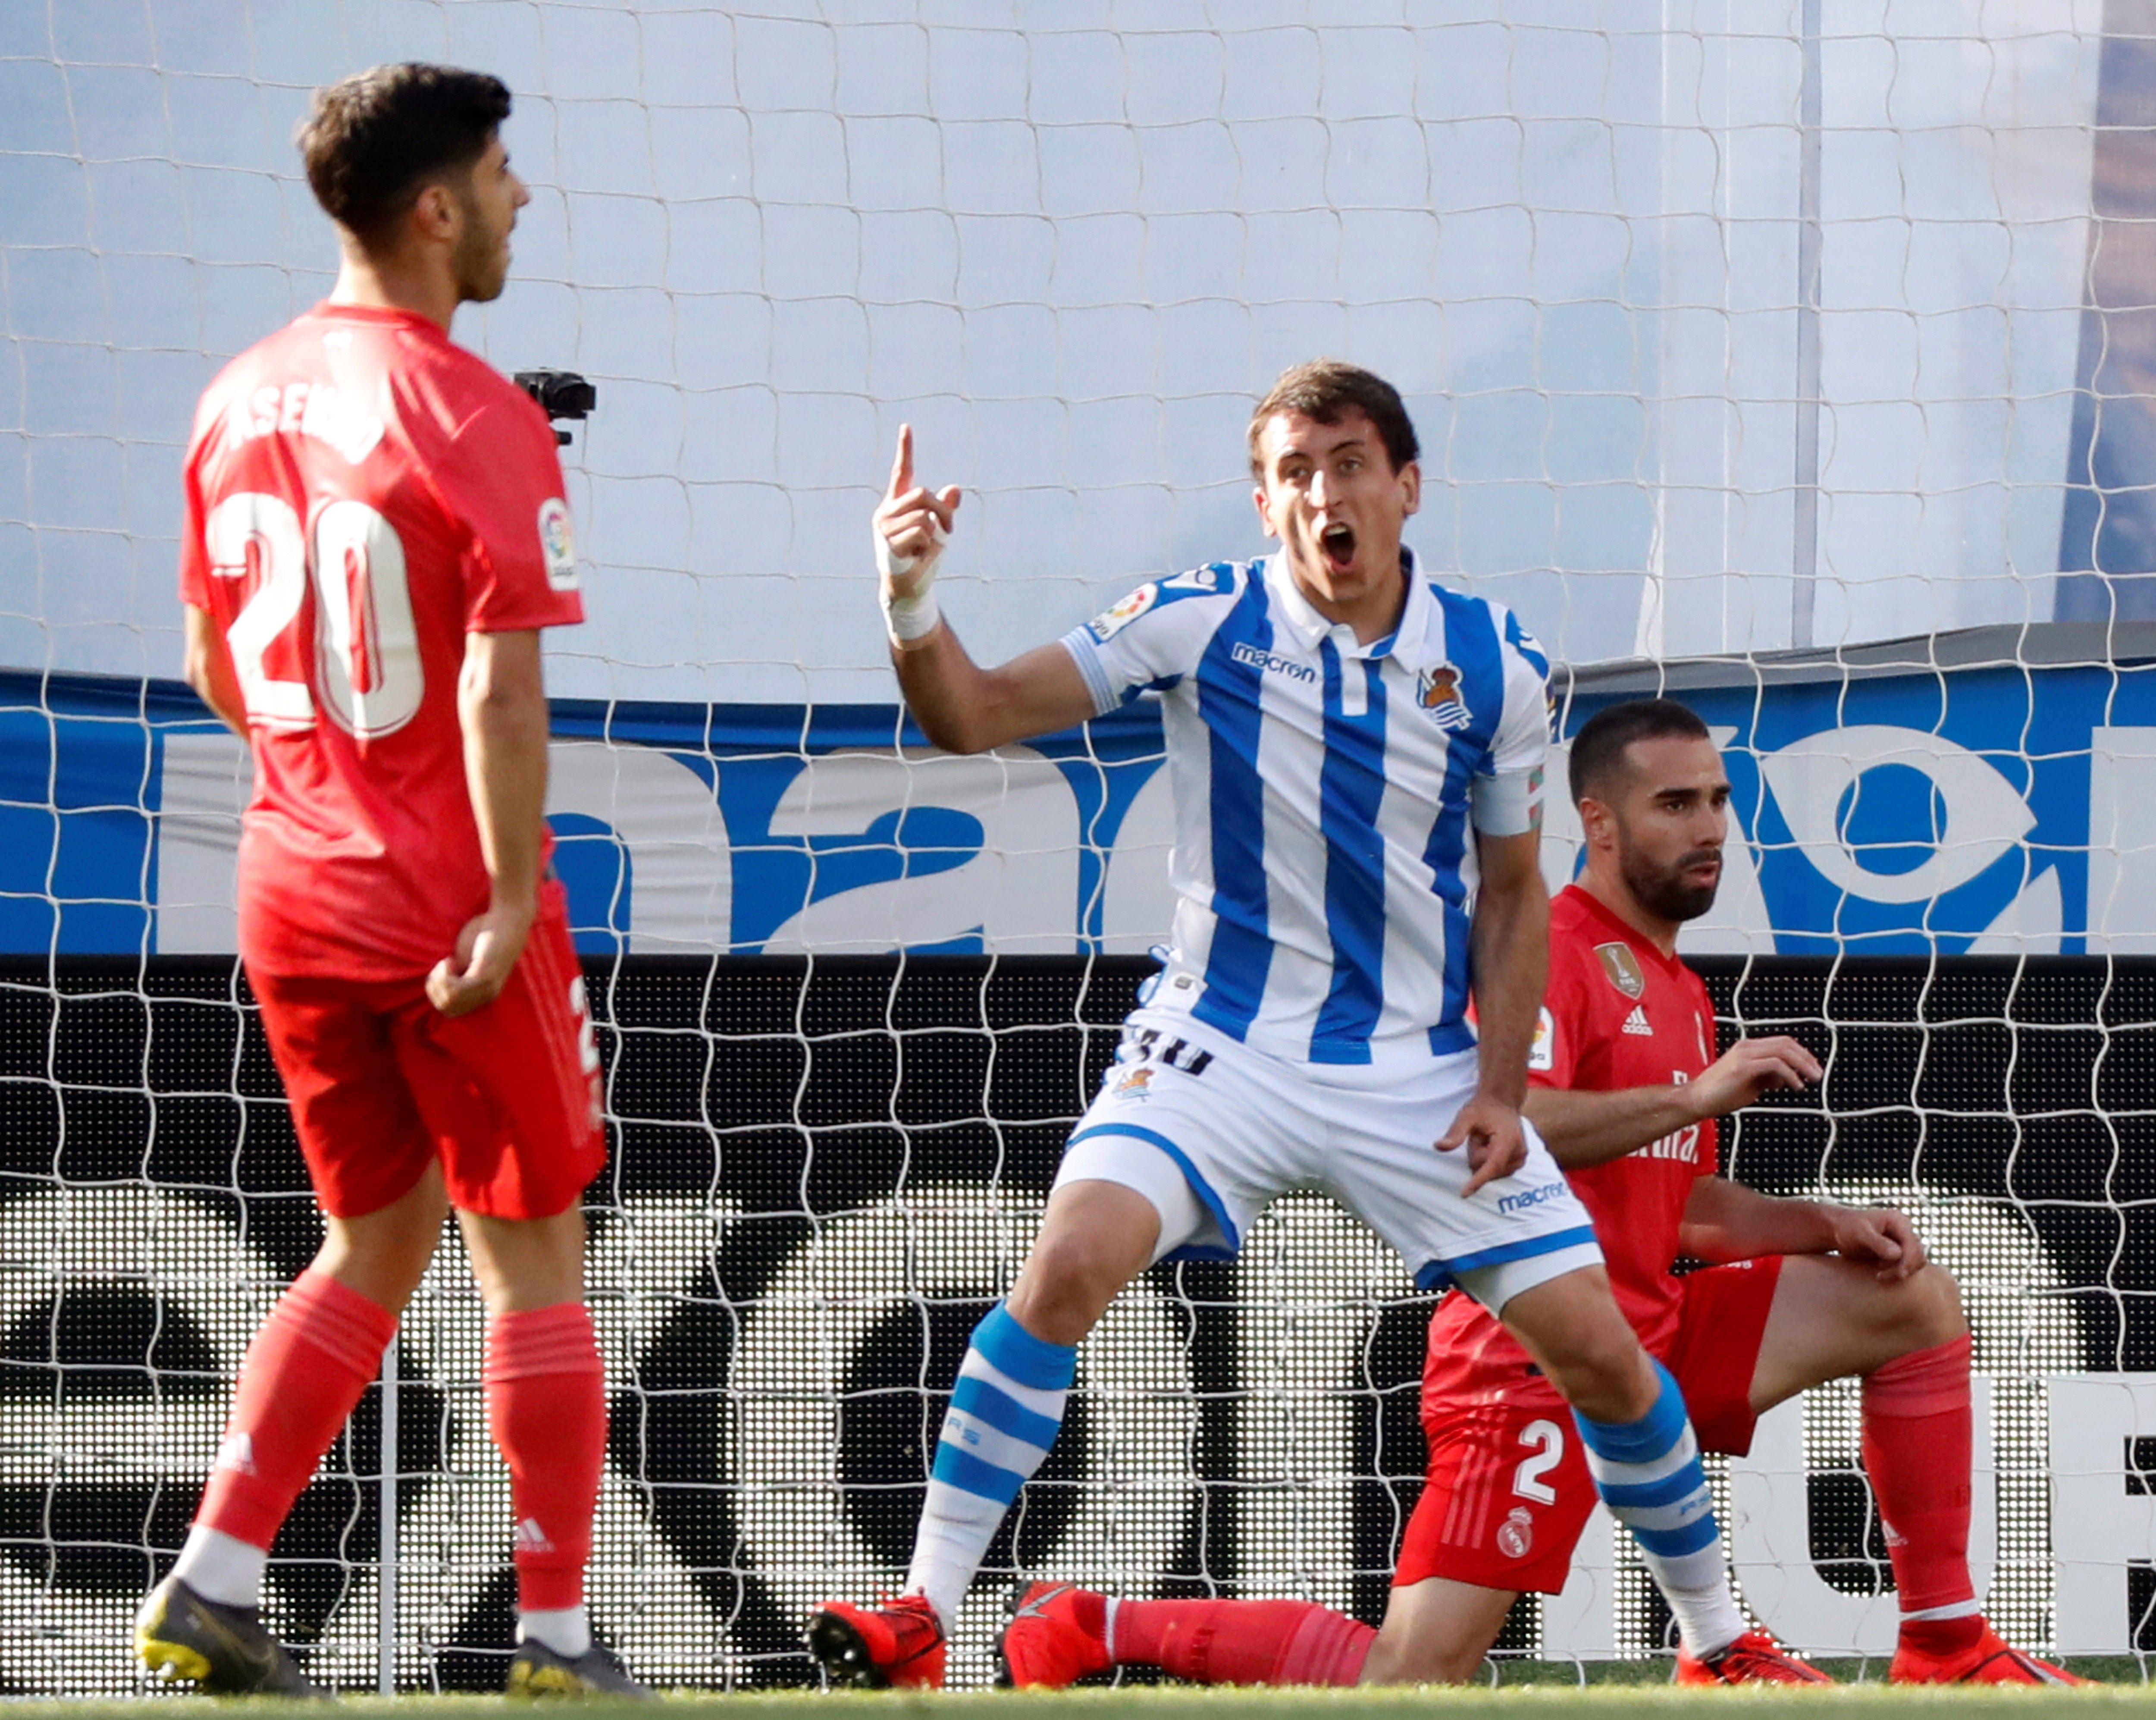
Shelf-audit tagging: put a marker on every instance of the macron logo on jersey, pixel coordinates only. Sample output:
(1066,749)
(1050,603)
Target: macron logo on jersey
(1272,663)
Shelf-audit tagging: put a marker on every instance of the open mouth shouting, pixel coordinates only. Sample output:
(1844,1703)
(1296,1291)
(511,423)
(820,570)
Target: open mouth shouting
(1338,542)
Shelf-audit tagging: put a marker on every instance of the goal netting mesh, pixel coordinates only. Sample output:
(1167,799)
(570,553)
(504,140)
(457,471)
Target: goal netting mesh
(1789,357)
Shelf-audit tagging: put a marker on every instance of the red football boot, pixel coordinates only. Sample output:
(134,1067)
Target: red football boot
(1989,1660)
(1754,1658)
(896,1646)
(1057,1634)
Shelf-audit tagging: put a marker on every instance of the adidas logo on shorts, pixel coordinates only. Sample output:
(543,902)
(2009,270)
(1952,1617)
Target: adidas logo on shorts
(1636,1022)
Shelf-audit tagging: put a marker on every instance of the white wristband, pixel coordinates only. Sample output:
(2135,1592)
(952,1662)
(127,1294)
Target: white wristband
(914,615)
(912,618)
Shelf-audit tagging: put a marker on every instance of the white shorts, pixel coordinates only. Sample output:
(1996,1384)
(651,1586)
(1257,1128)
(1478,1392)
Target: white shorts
(1210,1131)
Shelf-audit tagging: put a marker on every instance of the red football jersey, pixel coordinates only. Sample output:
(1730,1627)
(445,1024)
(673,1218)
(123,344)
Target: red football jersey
(1617,1013)
(361,494)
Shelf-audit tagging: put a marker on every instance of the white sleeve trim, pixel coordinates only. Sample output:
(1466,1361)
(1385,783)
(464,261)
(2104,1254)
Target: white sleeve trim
(1509,804)
(1086,655)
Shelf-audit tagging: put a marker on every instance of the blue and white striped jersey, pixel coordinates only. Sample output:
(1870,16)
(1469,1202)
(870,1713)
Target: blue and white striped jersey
(1324,795)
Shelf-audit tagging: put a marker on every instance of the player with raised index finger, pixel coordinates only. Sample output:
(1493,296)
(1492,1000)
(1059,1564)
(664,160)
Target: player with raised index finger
(1625,1087)
(1356,757)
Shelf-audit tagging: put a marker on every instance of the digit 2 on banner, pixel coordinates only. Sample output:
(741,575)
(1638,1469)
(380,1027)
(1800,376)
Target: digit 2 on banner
(366,645)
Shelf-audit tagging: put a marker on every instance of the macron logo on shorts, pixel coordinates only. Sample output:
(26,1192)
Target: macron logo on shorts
(1534,1197)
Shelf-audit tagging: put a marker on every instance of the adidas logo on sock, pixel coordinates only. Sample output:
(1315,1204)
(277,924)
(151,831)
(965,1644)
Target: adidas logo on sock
(531,1538)
(1636,1022)
(236,1454)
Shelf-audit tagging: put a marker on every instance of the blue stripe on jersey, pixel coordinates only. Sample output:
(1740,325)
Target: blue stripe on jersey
(1351,783)
(1526,645)
(1228,704)
(1472,647)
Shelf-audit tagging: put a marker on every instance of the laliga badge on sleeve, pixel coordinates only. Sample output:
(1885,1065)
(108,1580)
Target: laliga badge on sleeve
(557,544)
(1107,624)
(1541,1054)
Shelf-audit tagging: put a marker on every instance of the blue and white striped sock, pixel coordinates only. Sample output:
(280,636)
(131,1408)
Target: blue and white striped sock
(1648,1474)
(1005,1412)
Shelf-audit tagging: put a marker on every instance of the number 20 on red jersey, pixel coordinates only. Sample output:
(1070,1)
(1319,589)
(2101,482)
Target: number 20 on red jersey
(367,642)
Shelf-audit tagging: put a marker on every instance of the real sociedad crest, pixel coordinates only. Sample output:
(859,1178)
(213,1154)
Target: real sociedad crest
(1437,691)
(1135,1084)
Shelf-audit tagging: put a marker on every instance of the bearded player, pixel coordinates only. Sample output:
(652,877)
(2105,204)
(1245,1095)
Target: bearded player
(1357,755)
(375,538)
(1625,1090)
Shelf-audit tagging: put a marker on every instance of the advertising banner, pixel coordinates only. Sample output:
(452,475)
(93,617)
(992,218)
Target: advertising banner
(1969,793)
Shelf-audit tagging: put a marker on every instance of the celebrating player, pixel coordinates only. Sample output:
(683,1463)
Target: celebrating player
(1357,755)
(1624,1089)
(375,535)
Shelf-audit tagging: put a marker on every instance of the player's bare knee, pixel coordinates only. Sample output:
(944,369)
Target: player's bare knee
(1931,1310)
(1598,1366)
(1068,1282)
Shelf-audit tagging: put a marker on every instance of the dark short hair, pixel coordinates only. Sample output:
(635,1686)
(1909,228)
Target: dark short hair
(375,139)
(1599,748)
(1325,391)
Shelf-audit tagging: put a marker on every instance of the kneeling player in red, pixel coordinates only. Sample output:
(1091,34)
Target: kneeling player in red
(375,537)
(1624,1091)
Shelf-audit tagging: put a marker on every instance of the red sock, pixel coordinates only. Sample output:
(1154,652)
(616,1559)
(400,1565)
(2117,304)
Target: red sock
(545,1402)
(1917,1444)
(1242,1641)
(300,1378)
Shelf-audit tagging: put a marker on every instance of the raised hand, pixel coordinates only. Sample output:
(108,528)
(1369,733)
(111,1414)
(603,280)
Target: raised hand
(911,525)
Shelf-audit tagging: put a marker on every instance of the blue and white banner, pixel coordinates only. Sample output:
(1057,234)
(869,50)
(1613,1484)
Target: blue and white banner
(1999,808)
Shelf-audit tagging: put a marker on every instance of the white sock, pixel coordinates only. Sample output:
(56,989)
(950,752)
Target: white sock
(221,1568)
(566,1630)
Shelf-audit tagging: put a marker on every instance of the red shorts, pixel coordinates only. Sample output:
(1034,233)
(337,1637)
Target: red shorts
(382,1083)
(1507,1492)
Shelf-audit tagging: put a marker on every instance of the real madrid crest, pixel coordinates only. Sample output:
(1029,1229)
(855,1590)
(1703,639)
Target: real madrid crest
(1622,968)
(1516,1535)
(1437,691)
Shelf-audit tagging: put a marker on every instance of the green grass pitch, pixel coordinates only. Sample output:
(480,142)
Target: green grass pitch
(1543,1693)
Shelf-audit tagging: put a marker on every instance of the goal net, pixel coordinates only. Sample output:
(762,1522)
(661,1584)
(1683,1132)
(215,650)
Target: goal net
(1781,357)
